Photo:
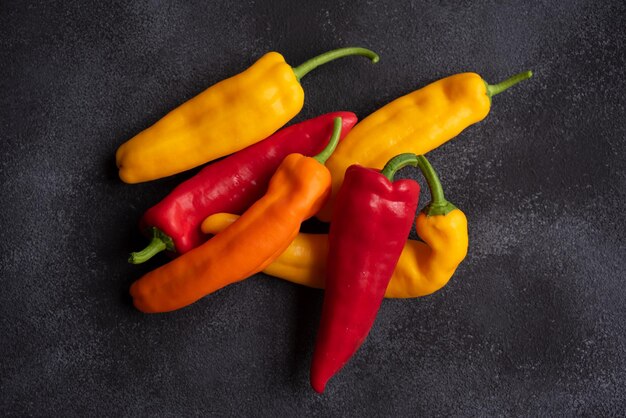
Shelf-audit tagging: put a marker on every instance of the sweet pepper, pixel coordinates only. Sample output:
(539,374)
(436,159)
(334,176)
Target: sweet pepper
(231,184)
(225,118)
(297,190)
(371,222)
(415,123)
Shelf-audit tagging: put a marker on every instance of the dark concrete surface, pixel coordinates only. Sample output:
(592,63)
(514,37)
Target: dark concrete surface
(532,323)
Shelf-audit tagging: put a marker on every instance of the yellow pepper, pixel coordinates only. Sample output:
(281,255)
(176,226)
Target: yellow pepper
(415,123)
(229,116)
(423,267)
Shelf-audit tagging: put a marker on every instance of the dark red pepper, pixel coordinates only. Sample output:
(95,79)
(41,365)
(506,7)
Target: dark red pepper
(230,185)
(371,221)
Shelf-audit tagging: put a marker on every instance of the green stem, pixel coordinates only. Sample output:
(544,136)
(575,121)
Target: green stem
(398,162)
(332,142)
(494,89)
(160,242)
(304,68)
(438,204)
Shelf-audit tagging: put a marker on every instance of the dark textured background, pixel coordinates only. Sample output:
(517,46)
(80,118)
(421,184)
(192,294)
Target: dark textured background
(532,323)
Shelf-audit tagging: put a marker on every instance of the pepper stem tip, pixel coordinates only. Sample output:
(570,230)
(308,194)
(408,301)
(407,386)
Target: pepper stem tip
(493,89)
(311,64)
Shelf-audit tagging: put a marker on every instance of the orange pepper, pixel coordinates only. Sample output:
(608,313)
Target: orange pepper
(296,192)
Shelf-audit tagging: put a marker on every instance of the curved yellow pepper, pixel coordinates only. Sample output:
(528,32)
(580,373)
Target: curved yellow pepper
(423,267)
(415,123)
(229,116)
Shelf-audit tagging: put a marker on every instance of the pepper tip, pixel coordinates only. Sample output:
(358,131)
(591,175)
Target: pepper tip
(317,383)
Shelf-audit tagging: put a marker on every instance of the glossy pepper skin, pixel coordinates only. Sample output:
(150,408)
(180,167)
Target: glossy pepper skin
(225,118)
(423,268)
(415,123)
(370,224)
(231,185)
(296,192)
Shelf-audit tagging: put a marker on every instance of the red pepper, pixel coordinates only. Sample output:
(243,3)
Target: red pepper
(230,185)
(371,221)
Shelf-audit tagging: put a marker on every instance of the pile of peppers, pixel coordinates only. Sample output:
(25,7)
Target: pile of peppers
(242,214)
